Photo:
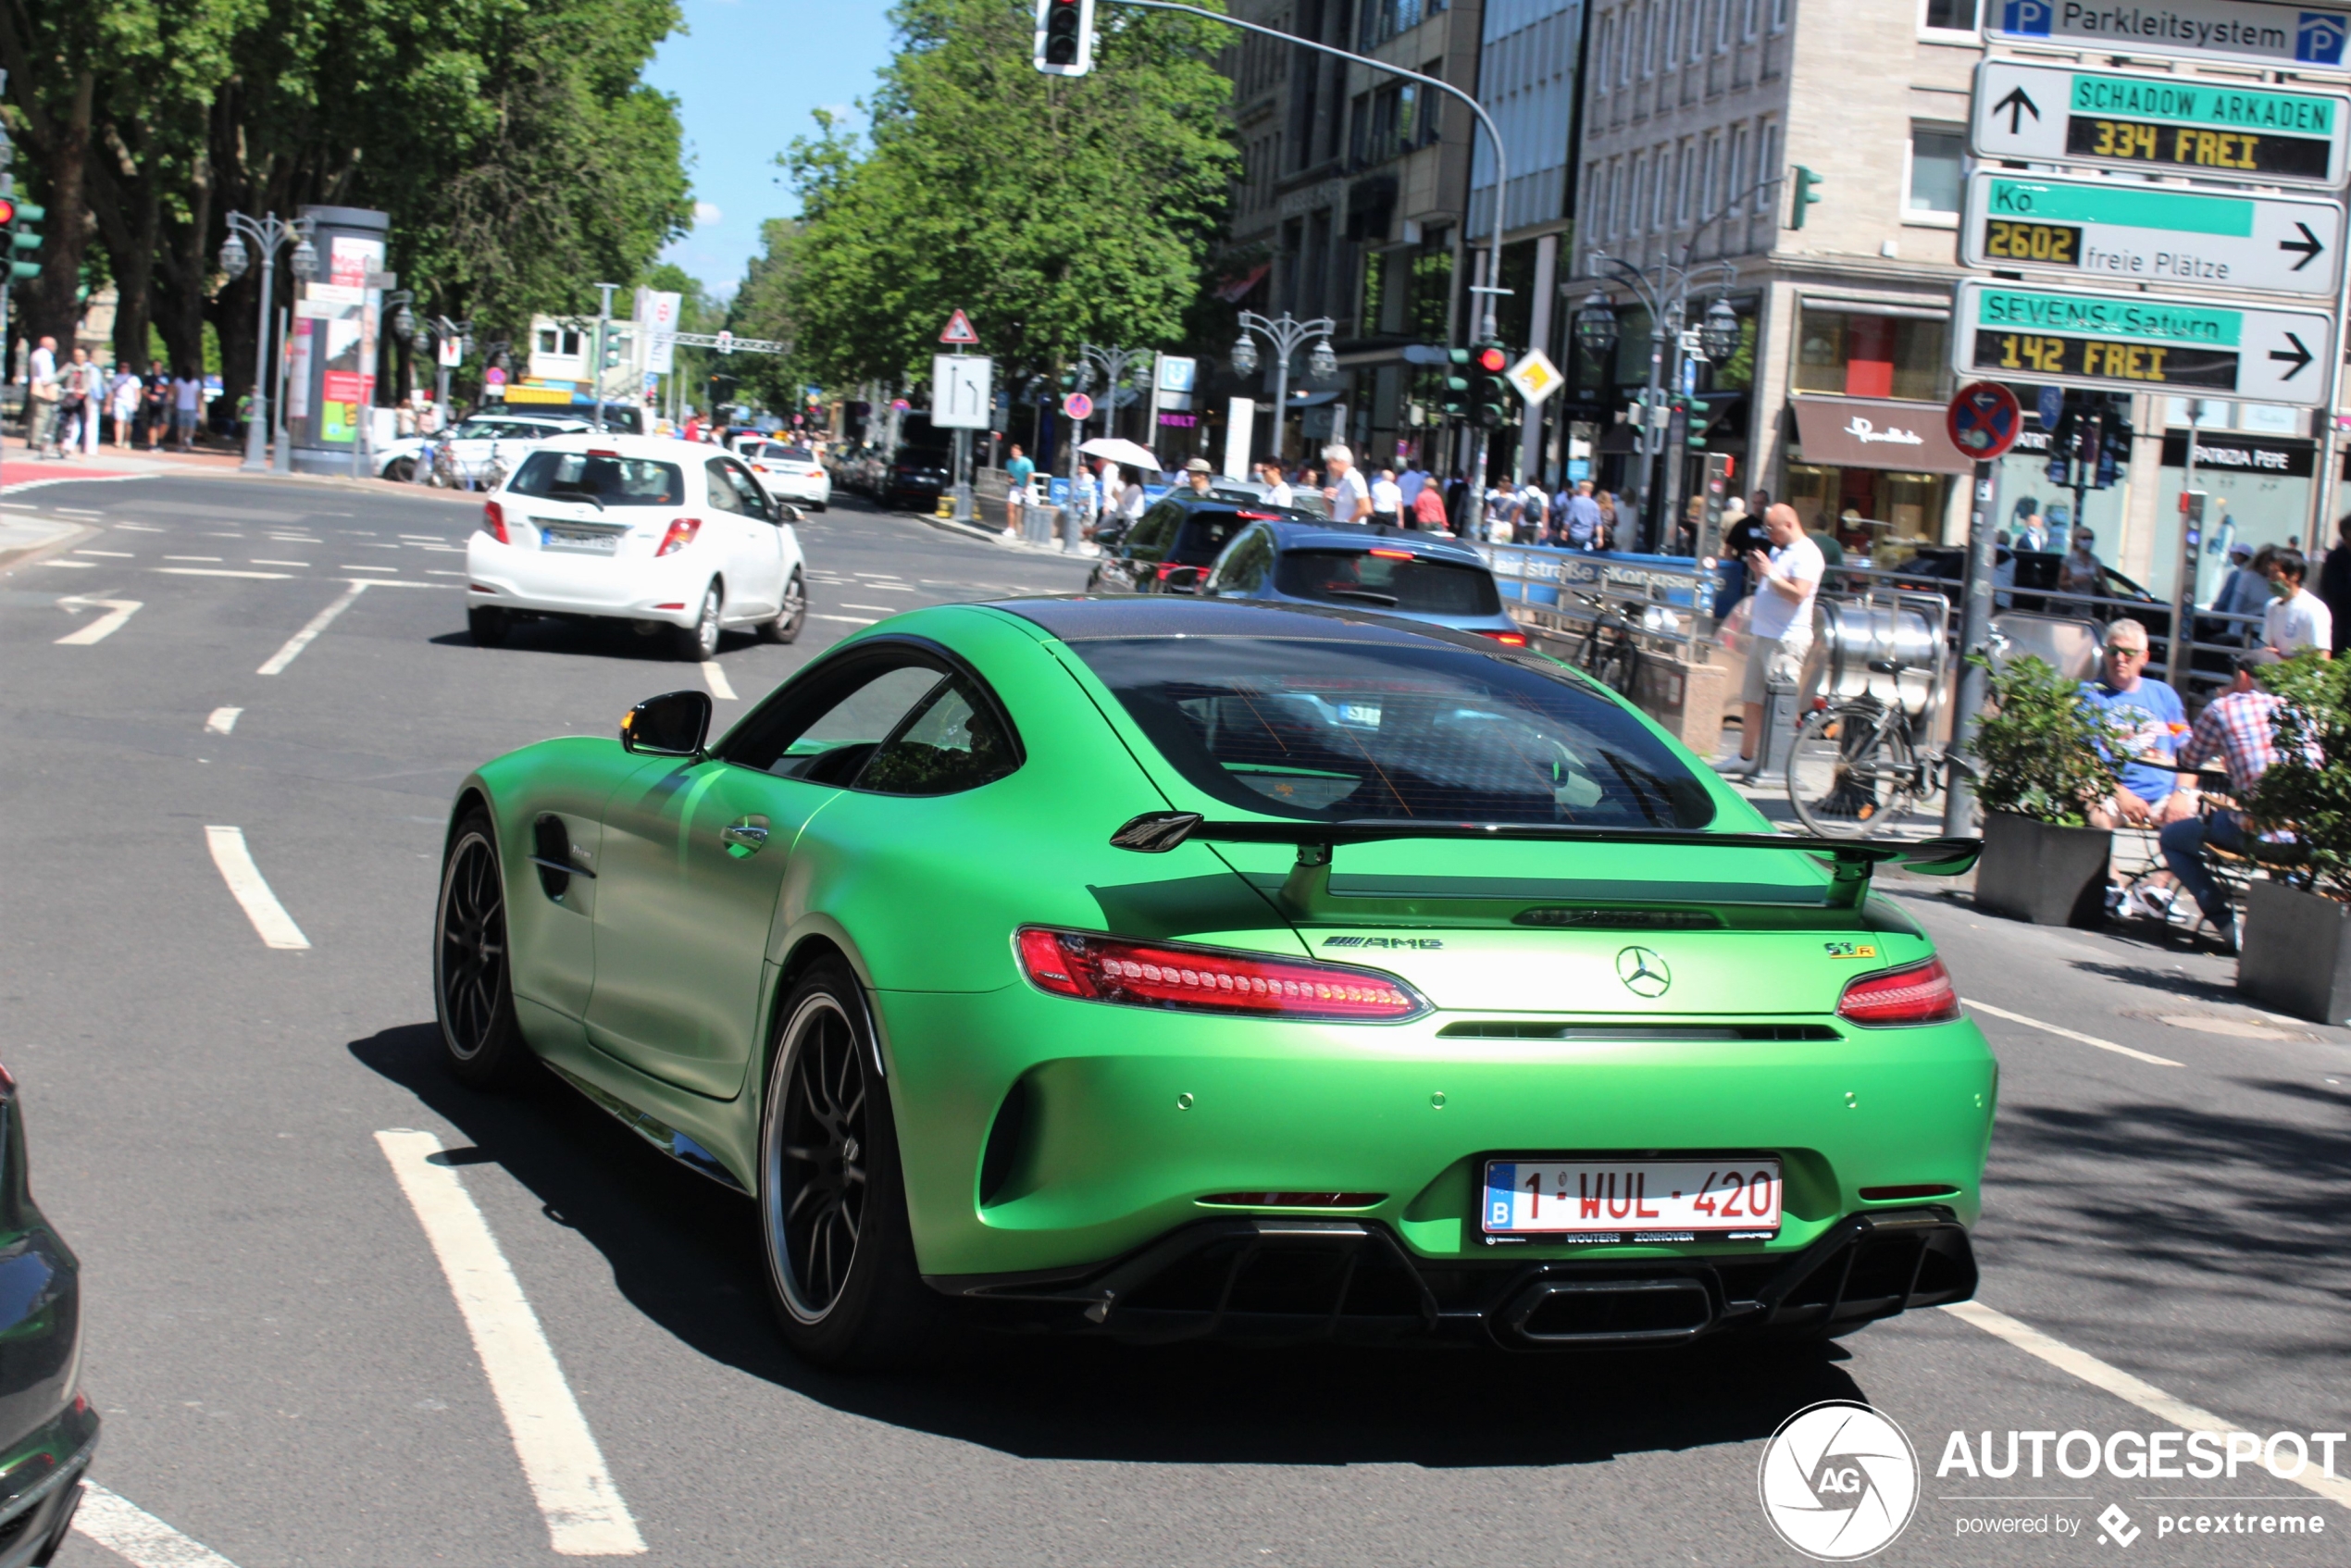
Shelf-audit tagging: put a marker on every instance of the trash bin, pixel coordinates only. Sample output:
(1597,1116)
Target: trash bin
(1782,715)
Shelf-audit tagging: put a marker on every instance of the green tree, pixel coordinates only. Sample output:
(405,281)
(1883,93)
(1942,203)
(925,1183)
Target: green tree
(1052,210)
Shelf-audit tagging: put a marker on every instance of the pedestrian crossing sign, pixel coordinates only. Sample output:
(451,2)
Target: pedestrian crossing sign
(1535,377)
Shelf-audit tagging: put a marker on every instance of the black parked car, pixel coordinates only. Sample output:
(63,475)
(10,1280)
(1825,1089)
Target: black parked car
(1173,543)
(48,1429)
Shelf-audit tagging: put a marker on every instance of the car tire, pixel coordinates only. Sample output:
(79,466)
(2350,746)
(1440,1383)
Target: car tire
(700,641)
(401,470)
(830,1182)
(488,625)
(826,505)
(791,615)
(473,995)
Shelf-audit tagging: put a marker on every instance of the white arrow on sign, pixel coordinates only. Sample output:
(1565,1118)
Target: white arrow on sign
(961,394)
(2243,131)
(2128,231)
(2129,342)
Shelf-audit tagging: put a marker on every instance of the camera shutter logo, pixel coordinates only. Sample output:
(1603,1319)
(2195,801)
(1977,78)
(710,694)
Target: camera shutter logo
(1643,972)
(1839,1481)
(2118,1526)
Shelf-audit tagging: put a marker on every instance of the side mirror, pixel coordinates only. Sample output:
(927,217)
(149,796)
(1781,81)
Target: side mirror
(788,513)
(672,724)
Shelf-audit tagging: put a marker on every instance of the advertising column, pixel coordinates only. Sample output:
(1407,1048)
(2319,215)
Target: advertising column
(334,370)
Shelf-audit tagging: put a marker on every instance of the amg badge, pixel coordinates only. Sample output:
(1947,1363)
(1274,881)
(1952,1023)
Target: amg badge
(1421,943)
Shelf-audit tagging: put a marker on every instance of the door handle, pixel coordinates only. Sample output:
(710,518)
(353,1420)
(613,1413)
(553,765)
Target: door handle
(745,836)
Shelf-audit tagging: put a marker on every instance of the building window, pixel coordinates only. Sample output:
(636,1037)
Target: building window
(1854,355)
(1751,12)
(1711,186)
(1661,193)
(1684,172)
(1950,16)
(1383,20)
(1935,174)
(1649,37)
(1607,51)
(1672,9)
(561,340)
(1721,26)
(1698,29)
(1767,166)
(1738,175)
(1779,15)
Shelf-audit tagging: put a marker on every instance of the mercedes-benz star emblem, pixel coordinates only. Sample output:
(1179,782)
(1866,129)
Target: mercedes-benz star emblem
(1643,972)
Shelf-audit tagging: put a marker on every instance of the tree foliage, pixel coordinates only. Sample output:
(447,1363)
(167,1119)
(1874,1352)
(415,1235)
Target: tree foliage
(1052,210)
(512,142)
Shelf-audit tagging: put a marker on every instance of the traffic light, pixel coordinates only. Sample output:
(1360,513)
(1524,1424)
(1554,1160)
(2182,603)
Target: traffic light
(23,240)
(1064,37)
(1456,402)
(1489,393)
(612,351)
(1808,191)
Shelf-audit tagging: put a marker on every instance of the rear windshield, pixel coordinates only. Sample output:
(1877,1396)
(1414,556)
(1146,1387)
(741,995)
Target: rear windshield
(1340,731)
(1357,577)
(1205,537)
(614,481)
(786,453)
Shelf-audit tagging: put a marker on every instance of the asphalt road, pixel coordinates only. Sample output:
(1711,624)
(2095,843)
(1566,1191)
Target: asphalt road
(286,1377)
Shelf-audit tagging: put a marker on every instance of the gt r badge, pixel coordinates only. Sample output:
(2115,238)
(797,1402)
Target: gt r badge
(1643,972)
(1420,944)
(1851,950)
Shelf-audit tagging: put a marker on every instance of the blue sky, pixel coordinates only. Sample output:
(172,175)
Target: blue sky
(746,75)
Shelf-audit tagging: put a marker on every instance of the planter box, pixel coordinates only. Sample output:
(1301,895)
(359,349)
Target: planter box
(2297,952)
(2049,875)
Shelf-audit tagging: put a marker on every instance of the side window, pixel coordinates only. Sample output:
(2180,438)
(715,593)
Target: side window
(1242,571)
(722,497)
(747,490)
(1153,533)
(824,729)
(952,743)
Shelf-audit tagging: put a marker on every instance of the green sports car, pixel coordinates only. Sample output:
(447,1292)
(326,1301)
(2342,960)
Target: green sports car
(1161,968)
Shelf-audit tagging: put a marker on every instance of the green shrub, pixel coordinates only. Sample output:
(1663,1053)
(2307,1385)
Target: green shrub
(2041,752)
(2308,790)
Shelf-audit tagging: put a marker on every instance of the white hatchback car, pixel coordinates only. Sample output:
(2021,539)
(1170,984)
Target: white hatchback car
(658,532)
(791,472)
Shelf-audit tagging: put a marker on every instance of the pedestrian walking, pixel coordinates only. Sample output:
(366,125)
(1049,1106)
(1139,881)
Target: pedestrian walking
(1534,513)
(43,392)
(122,394)
(154,404)
(1781,627)
(1388,498)
(1350,498)
(2296,618)
(1017,470)
(73,400)
(187,406)
(1428,508)
(1581,523)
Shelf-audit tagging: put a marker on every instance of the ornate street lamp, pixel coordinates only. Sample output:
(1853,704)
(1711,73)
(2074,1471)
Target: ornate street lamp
(1286,333)
(1244,355)
(1322,364)
(1596,325)
(267,234)
(1719,336)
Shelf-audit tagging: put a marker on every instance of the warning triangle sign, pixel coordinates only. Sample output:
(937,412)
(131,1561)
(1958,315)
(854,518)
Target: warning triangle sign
(959,331)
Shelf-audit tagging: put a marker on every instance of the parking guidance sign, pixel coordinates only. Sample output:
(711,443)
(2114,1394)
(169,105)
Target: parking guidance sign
(2126,232)
(2246,31)
(2160,124)
(2130,341)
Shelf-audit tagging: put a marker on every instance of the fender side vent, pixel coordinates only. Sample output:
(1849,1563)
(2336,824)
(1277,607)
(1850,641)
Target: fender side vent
(551,852)
(1001,1158)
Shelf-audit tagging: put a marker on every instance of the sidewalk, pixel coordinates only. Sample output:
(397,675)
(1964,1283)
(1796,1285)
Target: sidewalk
(20,470)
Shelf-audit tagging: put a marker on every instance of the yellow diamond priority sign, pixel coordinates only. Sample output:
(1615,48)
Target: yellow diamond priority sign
(1535,377)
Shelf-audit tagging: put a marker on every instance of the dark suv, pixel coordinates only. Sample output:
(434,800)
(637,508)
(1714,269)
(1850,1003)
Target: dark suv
(1171,546)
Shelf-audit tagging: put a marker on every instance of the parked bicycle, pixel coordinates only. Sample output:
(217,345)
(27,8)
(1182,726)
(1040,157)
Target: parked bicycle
(1610,650)
(1863,760)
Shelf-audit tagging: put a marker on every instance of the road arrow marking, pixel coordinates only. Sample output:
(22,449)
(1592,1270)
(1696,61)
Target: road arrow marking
(105,626)
(2298,358)
(2309,245)
(2017,105)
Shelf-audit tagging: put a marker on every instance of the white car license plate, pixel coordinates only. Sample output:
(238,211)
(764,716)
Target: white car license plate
(587,540)
(1634,1200)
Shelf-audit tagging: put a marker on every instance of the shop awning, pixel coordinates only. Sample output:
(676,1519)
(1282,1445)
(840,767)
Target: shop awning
(1869,432)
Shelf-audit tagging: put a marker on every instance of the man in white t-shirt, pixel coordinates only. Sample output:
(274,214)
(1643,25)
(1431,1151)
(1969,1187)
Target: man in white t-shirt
(1350,498)
(2296,618)
(1388,498)
(1780,628)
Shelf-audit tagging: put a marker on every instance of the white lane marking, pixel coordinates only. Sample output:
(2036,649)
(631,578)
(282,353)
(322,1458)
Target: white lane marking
(261,906)
(2133,1390)
(220,571)
(77,511)
(260,561)
(224,536)
(308,634)
(347,567)
(436,571)
(84,565)
(852,620)
(139,527)
(221,720)
(586,1515)
(138,1536)
(885,609)
(380,547)
(116,555)
(717,679)
(2072,1034)
(213,559)
(105,626)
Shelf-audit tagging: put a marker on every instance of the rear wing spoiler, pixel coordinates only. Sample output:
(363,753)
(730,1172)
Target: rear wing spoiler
(1850,860)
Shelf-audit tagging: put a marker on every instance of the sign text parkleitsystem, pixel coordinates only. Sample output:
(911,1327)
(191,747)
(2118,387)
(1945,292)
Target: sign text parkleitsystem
(2250,31)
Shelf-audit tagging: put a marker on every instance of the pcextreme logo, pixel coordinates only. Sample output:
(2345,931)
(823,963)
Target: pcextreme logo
(1839,1481)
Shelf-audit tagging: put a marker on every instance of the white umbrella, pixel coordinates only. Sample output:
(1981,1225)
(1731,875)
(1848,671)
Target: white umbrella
(1126,454)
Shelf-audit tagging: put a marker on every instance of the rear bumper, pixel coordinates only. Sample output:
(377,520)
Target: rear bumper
(1279,1280)
(551,583)
(43,1485)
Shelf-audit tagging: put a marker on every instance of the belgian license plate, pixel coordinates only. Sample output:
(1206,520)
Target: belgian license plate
(1634,1200)
(591,542)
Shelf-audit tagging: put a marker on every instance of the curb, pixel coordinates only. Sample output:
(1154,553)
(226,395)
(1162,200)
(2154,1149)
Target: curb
(29,555)
(990,536)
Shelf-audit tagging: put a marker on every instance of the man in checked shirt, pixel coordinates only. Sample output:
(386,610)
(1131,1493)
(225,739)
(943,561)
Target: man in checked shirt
(2240,728)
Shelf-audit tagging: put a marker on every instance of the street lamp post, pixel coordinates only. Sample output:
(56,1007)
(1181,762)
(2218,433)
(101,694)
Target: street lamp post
(1113,363)
(1285,333)
(1664,293)
(267,233)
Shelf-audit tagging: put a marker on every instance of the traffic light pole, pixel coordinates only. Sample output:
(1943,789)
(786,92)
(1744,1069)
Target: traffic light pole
(1473,509)
(604,331)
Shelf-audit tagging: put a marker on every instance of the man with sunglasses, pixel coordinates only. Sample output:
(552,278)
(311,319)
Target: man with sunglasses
(2147,716)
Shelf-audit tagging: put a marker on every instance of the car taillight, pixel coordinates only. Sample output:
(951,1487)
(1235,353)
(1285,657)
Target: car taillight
(1920,993)
(1207,979)
(1393,554)
(494,521)
(1507,639)
(681,533)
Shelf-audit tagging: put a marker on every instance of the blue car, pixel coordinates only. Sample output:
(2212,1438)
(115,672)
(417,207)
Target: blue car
(1400,572)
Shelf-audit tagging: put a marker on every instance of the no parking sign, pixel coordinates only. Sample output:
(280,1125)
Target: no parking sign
(1984,420)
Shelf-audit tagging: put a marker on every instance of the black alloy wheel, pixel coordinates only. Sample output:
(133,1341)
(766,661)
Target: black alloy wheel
(832,1201)
(472,989)
(791,615)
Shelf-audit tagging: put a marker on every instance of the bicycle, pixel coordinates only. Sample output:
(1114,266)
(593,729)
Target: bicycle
(1609,652)
(1856,770)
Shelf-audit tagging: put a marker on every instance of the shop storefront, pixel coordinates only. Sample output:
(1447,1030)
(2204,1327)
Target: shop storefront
(2257,490)
(1878,473)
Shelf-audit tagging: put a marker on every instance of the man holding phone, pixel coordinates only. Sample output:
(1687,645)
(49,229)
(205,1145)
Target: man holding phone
(1780,625)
